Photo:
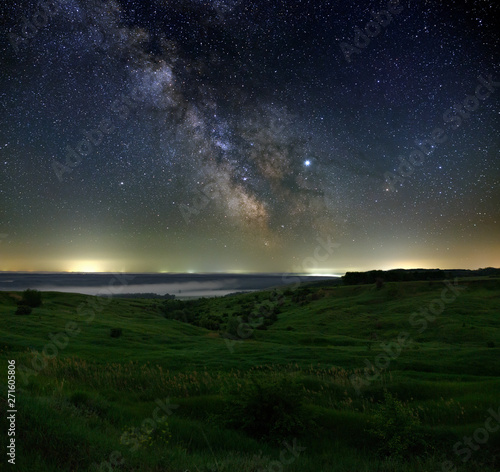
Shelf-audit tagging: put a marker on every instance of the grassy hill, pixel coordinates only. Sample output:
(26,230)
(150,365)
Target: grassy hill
(315,377)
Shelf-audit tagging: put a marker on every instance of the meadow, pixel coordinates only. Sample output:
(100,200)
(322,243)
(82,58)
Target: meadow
(394,377)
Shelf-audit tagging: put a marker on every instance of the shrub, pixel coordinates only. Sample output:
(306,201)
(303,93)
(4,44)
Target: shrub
(490,344)
(269,411)
(397,427)
(159,434)
(182,315)
(115,332)
(209,323)
(79,398)
(32,298)
(23,310)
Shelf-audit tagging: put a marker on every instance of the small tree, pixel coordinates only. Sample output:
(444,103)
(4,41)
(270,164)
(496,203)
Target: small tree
(23,310)
(32,298)
(270,410)
(397,427)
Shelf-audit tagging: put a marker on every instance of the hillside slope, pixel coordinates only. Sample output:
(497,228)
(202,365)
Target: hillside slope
(328,365)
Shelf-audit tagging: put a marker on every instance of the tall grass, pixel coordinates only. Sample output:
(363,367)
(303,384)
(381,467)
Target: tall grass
(73,413)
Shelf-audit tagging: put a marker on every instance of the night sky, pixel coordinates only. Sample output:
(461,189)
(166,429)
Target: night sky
(252,136)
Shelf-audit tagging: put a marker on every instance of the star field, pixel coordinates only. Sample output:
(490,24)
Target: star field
(224,135)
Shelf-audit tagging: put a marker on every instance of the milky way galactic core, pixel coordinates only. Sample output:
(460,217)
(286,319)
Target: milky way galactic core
(249,136)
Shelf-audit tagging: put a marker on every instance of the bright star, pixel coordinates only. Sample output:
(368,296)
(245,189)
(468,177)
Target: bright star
(307,163)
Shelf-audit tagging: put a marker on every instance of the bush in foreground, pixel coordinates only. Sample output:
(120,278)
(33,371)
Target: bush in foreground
(268,410)
(397,427)
(115,332)
(23,310)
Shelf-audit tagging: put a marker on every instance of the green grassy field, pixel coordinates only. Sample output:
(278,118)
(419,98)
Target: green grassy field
(342,378)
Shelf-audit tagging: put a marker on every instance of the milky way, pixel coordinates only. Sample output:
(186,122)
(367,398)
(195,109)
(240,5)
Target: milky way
(231,135)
